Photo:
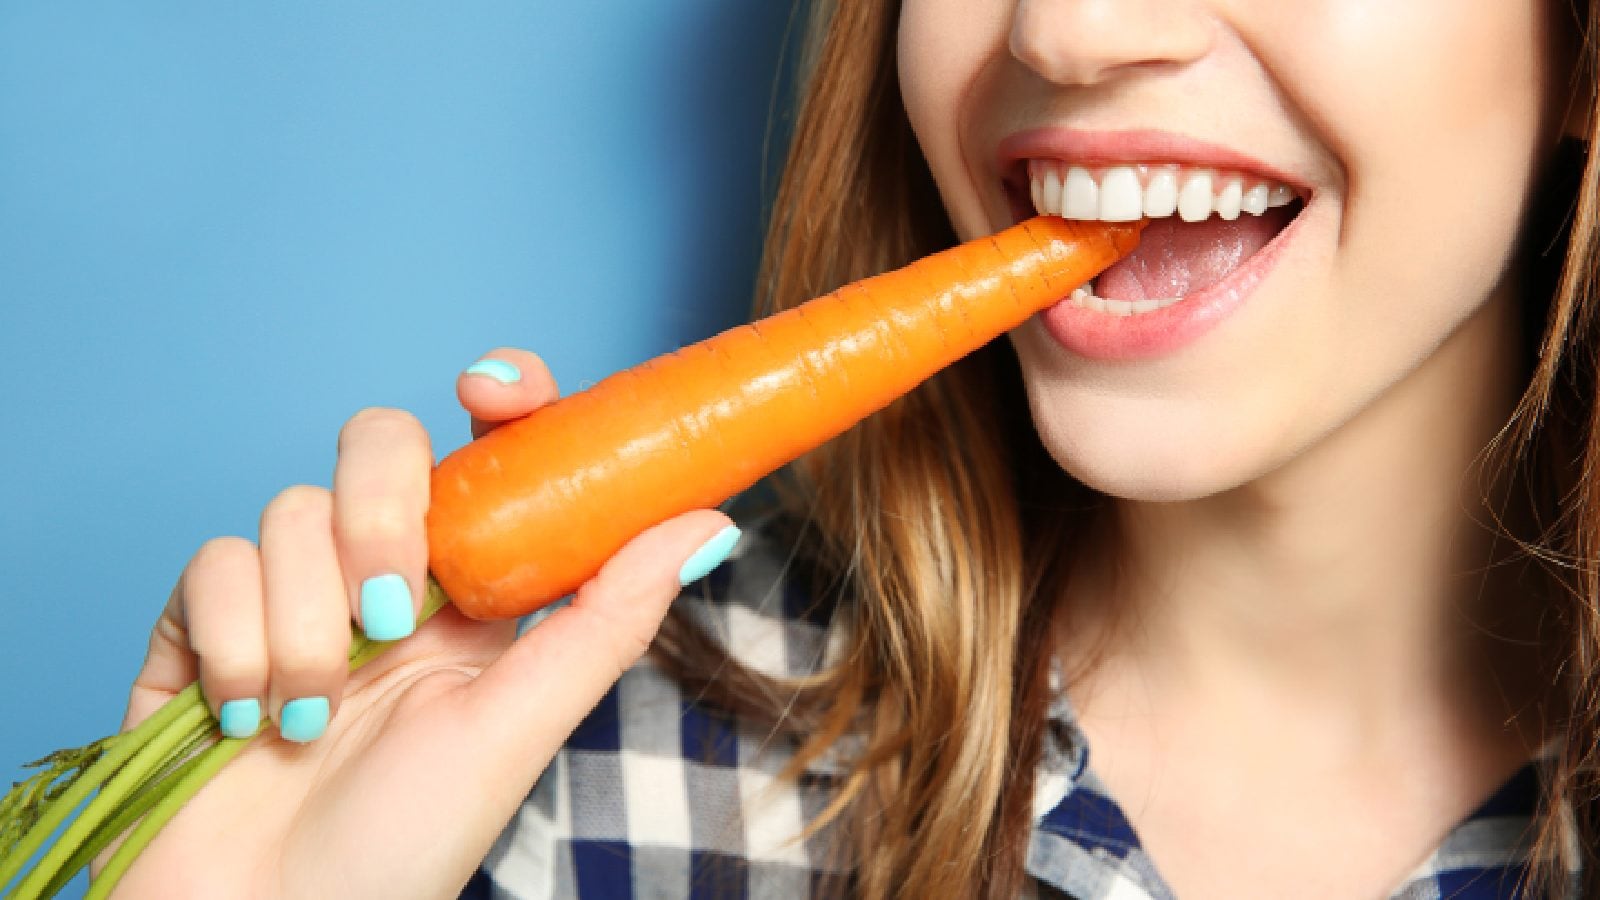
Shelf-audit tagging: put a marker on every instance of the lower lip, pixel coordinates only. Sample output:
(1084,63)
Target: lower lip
(1107,336)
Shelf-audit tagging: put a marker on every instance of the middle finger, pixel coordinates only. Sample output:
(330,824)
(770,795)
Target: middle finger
(380,501)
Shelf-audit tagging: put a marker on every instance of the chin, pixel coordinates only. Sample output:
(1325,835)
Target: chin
(1150,465)
(1147,483)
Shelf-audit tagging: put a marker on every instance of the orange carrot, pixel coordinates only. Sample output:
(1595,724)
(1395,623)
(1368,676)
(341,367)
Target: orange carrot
(524,515)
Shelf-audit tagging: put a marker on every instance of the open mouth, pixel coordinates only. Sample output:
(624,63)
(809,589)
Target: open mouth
(1204,223)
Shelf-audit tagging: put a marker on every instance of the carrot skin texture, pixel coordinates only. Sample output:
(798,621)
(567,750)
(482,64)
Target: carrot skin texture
(527,513)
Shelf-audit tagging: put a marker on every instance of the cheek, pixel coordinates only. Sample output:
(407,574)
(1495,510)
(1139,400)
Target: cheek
(1435,110)
(1434,70)
(1434,107)
(943,48)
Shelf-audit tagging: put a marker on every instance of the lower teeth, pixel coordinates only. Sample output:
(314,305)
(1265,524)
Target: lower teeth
(1085,298)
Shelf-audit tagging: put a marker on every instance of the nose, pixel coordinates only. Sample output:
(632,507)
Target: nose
(1086,42)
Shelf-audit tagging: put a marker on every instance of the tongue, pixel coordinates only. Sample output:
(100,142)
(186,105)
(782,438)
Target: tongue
(1177,258)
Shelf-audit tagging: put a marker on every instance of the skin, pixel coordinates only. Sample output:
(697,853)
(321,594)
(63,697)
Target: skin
(1286,655)
(452,725)
(1250,673)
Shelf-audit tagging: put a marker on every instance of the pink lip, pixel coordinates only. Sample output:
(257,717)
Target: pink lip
(1113,338)
(1112,147)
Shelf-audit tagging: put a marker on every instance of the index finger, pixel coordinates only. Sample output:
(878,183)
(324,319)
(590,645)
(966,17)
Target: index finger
(504,384)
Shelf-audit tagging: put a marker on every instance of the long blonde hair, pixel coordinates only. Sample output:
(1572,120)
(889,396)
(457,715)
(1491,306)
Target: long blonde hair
(947,580)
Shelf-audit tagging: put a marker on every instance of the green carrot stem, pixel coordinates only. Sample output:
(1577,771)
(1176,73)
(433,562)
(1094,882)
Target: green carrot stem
(162,772)
(185,786)
(116,753)
(137,805)
(22,805)
(211,761)
(151,757)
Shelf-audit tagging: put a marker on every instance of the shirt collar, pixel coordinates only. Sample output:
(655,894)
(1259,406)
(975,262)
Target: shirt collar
(1083,844)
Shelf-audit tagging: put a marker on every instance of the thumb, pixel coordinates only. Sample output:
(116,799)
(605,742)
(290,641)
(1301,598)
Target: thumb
(536,693)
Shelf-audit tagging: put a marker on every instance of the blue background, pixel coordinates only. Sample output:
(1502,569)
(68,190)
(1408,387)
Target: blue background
(224,228)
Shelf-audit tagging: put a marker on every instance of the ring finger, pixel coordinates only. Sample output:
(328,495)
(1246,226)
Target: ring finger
(307,614)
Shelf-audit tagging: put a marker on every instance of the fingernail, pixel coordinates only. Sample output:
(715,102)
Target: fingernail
(386,613)
(498,369)
(709,556)
(239,718)
(303,719)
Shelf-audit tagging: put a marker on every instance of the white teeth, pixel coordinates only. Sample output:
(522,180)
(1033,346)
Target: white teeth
(1085,298)
(1080,196)
(1161,194)
(1052,189)
(1255,200)
(1228,200)
(1126,193)
(1121,199)
(1195,198)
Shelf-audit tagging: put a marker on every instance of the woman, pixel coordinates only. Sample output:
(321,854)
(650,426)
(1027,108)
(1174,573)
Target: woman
(1248,546)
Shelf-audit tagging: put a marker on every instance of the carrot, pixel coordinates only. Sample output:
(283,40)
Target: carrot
(524,515)
(527,513)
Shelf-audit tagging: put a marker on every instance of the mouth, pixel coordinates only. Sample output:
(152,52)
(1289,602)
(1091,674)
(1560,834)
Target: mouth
(1205,223)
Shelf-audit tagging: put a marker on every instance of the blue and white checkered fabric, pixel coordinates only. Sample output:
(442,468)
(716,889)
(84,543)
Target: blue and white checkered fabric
(658,796)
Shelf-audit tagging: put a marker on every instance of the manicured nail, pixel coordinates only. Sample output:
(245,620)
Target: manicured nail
(303,719)
(239,718)
(709,556)
(386,613)
(498,369)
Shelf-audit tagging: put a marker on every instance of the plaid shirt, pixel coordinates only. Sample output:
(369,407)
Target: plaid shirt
(655,796)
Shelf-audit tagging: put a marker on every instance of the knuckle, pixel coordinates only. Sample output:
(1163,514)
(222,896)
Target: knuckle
(214,574)
(384,420)
(168,633)
(297,506)
(304,660)
(380,523)
(631,647)
(628,638)
(221,552)
(232,669)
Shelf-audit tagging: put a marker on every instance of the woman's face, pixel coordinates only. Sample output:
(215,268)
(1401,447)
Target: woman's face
(1354,170)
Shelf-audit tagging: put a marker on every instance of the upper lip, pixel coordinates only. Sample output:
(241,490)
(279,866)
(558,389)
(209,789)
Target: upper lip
(1134,147)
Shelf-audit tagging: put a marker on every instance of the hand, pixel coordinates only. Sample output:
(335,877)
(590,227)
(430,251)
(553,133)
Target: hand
(423,755)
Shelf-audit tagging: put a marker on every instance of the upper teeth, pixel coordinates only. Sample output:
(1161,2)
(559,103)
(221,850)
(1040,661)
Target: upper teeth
(1126,193)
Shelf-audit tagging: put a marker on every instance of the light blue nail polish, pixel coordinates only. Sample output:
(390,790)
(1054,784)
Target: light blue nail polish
(239,718)
(386,613)
(498,369)
(709,556)
(303,719)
